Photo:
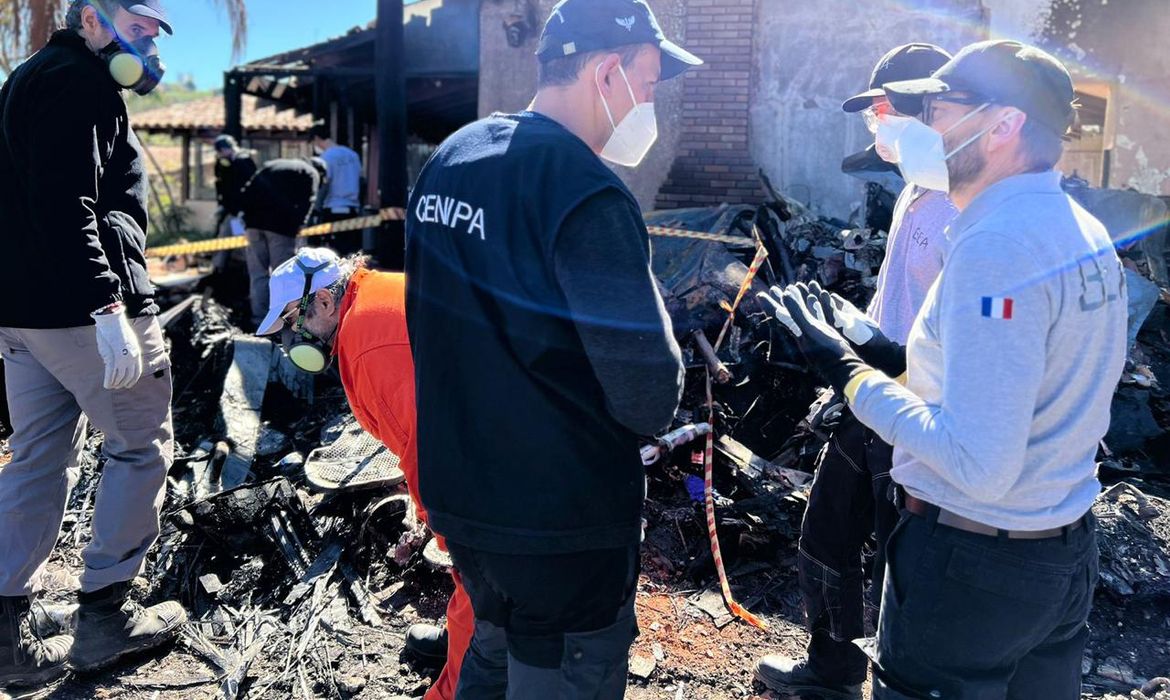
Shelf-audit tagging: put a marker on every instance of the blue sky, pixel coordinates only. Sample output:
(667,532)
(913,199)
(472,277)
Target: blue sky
(202,43)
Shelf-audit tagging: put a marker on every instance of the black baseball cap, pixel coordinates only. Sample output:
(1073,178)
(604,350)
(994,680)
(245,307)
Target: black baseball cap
(907,62)
(1002,72)
(148,8)
(585,26)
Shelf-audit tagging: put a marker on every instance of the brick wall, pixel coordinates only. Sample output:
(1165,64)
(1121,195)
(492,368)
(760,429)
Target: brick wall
(713,163)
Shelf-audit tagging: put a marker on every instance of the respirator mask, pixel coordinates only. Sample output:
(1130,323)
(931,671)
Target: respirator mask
(305,350)
(134,65)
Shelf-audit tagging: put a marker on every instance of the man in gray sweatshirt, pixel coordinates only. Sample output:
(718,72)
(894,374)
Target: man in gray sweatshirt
(1009,372)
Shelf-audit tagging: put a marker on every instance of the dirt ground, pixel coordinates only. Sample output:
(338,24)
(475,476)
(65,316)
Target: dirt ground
(683,651)
(689,648)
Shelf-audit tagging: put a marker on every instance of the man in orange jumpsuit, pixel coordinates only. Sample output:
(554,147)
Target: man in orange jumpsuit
(336,308)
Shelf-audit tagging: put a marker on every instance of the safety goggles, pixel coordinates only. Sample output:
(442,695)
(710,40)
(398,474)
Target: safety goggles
(874,113)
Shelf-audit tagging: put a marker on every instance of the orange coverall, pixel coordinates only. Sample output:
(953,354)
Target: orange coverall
(377,371)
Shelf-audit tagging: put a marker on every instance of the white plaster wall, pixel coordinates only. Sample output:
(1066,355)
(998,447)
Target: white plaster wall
(1123,42)
(813,54)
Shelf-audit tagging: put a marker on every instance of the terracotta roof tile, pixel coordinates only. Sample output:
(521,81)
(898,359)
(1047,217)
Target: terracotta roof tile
(207,114)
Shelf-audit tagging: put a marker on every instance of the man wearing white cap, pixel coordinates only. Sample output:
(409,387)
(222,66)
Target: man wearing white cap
(336,308)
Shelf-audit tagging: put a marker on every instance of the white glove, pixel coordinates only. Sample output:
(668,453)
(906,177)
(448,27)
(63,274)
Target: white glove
(119,349)
(853,324)
(778,311)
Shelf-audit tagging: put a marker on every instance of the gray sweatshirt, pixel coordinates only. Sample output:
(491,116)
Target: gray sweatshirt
(605,275)
(1012,363)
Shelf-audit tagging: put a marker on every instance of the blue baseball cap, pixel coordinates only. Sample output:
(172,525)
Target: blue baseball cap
(148,8)
(585,26)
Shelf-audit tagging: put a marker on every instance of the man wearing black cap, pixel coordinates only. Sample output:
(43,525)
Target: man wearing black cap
(850,499)
(1011,368)
(84,345)
(234,166)
(542,352)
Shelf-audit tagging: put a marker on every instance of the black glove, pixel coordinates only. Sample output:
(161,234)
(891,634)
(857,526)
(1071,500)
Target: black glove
(826,351)
(864,336)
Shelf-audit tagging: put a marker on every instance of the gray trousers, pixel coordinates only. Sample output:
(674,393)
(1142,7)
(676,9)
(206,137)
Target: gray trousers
(266,251)
(54,384)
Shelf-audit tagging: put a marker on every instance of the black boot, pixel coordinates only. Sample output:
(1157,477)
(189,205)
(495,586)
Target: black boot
(783,674)
(427,641)
(25,658)
(111,627)
(52,620)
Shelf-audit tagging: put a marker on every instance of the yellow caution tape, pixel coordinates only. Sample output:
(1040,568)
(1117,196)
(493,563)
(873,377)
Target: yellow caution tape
(665,232)
(216,245)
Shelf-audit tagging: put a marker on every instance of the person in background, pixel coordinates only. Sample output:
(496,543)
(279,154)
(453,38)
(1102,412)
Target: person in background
(233,168)
(276,205)
(341,195)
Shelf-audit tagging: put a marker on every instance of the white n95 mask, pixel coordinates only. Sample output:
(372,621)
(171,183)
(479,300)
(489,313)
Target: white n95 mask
(889,129)
(632,138)
(919,150)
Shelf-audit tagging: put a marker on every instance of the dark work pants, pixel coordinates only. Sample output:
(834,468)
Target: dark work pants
(548,627)
(850,500)
(974,617)
(344,243)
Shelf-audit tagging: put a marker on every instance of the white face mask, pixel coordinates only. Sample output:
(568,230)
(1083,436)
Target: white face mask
(889,129)
(633,137)
(919,151)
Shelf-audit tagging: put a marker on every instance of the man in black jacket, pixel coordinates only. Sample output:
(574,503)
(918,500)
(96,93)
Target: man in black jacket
(86,345)
(276,206)
(529,293)
(234,166)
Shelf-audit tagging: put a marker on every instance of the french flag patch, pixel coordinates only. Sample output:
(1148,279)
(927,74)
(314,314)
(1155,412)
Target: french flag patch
(997,307)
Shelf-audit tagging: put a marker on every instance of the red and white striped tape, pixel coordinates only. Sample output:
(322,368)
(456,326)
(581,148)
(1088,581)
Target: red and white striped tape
(709,457)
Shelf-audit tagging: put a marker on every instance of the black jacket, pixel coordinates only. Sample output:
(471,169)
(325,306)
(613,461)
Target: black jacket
(279,197)
(519,451)
(72,192)
(231,175)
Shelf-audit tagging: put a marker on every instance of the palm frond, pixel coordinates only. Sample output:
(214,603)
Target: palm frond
(237,14)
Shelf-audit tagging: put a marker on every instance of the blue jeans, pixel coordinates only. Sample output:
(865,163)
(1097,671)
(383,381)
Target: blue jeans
(1143,294)
(975,617)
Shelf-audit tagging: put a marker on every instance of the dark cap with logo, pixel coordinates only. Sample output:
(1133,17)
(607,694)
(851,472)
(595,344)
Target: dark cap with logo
(584,26)
(908,62)
(148,8)
(1006,73)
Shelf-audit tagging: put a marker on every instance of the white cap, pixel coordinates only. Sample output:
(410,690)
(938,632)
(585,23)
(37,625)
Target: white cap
(287,283)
